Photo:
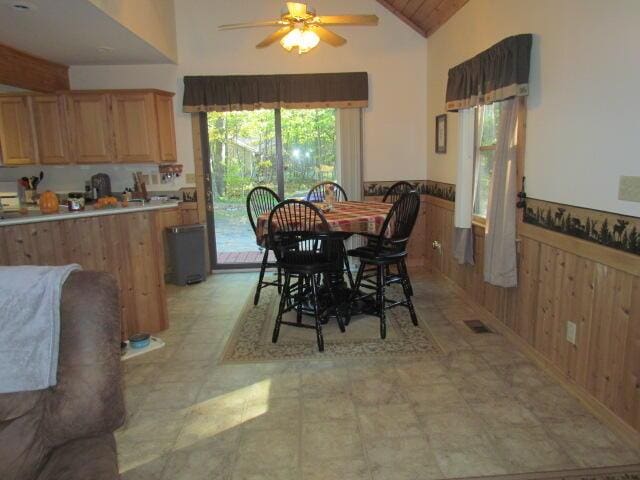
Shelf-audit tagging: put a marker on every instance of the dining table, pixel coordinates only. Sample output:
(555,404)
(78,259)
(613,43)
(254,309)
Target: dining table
(345,219)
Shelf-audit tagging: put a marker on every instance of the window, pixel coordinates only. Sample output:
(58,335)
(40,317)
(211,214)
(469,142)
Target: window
(487,124)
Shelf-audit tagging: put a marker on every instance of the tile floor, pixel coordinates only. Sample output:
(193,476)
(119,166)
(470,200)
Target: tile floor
(480,409)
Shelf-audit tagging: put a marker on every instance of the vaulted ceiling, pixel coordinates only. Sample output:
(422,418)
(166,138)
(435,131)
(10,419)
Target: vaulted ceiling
(424,16)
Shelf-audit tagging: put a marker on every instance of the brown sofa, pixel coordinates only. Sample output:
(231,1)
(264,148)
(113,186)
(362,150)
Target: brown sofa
(65,432)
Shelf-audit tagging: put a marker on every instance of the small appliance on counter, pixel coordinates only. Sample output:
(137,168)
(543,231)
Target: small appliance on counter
(9,198)
(75,201)
(102,185)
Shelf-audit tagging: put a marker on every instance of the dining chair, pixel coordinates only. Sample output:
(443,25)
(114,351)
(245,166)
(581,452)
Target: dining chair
(388,247)
(396,190)
(307,253)
(317,194)
(261,200)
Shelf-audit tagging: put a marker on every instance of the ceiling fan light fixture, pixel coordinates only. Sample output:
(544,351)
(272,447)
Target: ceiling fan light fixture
(304,39)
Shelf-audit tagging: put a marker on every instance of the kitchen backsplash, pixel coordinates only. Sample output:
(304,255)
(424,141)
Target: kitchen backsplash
(64,179)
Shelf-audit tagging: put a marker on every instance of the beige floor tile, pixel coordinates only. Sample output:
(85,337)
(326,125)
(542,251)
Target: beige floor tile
(264,450)
(171,396)
(272,414)
(388,421)
(472,461)
(182,372)
(326,382)
(436,398)
(377,391)
(409,453)
(329,469)
(331,440)
(338,408)
(420,372)
(200,461)
(501,412)
(277,474)
(145,471)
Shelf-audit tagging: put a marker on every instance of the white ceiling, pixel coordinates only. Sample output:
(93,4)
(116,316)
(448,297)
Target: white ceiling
(70,32)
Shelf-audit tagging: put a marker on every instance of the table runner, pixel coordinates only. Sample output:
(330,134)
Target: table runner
(351,217)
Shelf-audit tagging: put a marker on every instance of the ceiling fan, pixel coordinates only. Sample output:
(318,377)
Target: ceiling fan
(300,27)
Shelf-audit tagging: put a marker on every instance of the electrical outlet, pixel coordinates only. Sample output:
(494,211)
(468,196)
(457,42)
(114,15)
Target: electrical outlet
(571,332)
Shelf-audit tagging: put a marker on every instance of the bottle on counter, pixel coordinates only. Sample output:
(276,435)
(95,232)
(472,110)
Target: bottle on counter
(75,201)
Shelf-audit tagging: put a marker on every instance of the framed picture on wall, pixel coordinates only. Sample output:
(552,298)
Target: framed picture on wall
(441,133)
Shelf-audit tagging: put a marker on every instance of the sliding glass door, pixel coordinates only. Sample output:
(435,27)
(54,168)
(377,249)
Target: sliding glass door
(286,150)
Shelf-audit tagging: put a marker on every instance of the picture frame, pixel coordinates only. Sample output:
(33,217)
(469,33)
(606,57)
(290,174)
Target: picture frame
(441,133)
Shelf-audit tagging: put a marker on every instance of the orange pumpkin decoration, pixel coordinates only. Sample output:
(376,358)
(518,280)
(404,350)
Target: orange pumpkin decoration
(49,202)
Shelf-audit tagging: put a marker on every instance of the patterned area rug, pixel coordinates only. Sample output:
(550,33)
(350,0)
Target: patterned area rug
(251,338)
(625,472)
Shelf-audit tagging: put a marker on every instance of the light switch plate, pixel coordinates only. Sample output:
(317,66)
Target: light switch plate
(191,178)
(629,189)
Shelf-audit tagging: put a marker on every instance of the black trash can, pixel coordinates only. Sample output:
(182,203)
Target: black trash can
(186,254)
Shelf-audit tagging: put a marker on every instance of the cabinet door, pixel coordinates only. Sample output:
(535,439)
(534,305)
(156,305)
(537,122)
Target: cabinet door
(166,128)
(52,134)
(91,133)
(16,131)
(134,123)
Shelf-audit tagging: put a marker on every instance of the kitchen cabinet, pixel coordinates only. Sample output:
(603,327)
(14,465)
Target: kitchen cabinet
(87,127)
(17,145)
(51,130)
(166,128)
(135,127)
(91,127)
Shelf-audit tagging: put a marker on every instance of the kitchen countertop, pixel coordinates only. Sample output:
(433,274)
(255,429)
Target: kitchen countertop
(35,216)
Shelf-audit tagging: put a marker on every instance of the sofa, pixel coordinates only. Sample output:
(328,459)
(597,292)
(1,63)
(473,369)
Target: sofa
(66,432)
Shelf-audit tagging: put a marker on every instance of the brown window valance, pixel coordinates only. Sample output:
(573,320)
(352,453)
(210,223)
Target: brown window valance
(250,92)
(498,73)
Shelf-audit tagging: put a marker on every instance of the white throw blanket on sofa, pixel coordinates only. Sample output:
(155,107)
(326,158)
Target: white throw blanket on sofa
(30,326)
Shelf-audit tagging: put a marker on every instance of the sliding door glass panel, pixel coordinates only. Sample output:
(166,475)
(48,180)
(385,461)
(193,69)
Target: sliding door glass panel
(242,155)
(308,149)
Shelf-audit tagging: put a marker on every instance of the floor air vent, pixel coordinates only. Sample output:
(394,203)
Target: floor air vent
(477,326)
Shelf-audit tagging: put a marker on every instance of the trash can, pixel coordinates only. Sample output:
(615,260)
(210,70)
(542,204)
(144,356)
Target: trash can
(186,254)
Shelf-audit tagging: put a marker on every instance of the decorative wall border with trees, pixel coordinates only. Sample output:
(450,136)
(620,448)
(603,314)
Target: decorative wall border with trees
(446,191)
(621,232)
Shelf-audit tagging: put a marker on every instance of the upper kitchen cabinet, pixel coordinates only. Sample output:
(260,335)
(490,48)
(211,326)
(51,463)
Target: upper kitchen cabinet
(166,127)
(135,127)
(16,131)
(91,127)
(51,129)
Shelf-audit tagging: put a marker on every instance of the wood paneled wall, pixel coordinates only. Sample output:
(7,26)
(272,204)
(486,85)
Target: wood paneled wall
(561,279)
(130,246)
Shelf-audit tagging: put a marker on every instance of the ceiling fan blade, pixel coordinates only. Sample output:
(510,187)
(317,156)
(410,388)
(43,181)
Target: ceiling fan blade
(297,10)
(266,23)
(274,37)
(328,36)
(347,20)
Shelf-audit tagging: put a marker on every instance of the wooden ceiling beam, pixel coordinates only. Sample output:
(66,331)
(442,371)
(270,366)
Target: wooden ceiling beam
(402,16)
(22,70)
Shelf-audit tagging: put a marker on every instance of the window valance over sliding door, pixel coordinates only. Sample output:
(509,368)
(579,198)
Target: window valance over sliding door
(250,92)
(496,74)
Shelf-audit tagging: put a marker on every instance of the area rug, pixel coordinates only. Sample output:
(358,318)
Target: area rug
(251,338)
(625,472)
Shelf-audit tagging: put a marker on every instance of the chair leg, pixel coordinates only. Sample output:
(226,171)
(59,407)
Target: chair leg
(283,300)
(380,293)
(406,286)
(347,266)
(279,280)
(404,267)
(263,267)
(314,288)
(300,299)
(336,306)
(354,293)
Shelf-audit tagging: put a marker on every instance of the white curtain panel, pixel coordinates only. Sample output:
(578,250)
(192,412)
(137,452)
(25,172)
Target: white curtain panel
(500,260)
(349,151)
(349,158)
(463,212)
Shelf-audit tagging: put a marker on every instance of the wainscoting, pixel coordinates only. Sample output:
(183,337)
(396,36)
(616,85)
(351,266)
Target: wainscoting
(561,279)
